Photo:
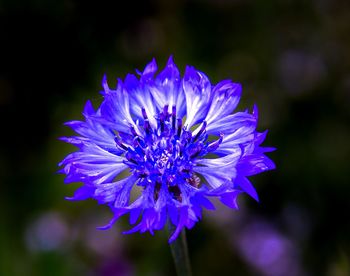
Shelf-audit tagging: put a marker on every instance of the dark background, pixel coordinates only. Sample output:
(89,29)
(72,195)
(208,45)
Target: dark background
(293,60)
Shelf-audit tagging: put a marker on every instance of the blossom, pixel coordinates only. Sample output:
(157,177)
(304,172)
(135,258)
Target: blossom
(160,146)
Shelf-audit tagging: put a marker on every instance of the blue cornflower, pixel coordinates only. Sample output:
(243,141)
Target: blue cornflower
(177,143)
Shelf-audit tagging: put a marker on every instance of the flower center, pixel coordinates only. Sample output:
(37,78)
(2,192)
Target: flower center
(166,154)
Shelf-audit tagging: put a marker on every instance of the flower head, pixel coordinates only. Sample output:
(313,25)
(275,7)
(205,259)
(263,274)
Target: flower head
(171,142)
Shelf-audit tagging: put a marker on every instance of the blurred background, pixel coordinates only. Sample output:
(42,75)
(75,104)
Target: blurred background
(293,59)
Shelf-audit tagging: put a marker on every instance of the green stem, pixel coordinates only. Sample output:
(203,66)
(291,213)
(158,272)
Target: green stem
(179,251)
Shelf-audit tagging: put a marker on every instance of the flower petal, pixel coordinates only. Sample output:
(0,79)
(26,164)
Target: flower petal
(230,199)
(183,220)
(254,164)
(244,184)
(92,165)
(216,174)
(117,192)
(82,193)
(149,70)
(115,109)
(91,130)
(197,88)
(225,97)
(231,123)
(140,98)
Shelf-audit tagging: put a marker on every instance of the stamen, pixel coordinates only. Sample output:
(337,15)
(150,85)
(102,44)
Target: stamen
(147,126)
(144,114)
(119,143)
(139,150)
(196,151)
(128,156)
(194,180)
(133,131)
(161,122)
(140,143)
(214,145)
(130,163)
(204,125)
(179,127)
(173,117)
(165,110)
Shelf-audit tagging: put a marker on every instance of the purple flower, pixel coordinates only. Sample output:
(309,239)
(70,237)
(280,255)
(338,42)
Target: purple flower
(177,143)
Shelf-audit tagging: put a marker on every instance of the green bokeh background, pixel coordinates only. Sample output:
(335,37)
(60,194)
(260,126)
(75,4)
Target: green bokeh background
(293,60)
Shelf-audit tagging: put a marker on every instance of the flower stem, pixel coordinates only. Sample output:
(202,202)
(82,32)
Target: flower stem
(179,251)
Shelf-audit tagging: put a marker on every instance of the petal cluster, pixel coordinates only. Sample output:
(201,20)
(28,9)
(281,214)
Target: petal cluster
(160,146)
